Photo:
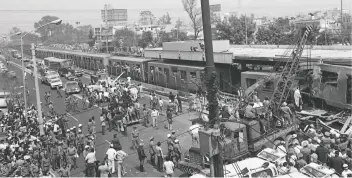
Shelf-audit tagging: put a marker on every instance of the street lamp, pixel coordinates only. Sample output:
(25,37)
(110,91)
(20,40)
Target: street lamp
(40,117)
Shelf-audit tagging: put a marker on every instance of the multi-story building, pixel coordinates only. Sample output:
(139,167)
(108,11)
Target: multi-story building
(114,17)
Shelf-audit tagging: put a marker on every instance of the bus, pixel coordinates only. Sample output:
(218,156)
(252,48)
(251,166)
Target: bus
(56,63)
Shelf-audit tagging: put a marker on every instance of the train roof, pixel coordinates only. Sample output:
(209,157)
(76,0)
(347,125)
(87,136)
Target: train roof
(132,59)
(73,52)
(178,65)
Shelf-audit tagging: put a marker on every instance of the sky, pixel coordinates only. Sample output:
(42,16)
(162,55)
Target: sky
(23,13)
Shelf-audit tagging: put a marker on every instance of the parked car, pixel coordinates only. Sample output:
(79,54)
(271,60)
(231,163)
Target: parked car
(55,82)
(72,87)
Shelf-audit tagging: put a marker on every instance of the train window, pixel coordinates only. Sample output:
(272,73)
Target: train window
(110,63)
(250,82)
(174,73)
(329,78)
(268,86)
(183,75)
(160,69)
(193,75)
(349,90)
(238,135)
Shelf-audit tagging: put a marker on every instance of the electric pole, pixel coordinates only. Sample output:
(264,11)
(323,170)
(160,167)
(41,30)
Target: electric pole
(216,162)
(39,106)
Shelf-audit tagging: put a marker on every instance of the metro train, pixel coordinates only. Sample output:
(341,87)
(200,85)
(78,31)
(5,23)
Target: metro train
(185,78)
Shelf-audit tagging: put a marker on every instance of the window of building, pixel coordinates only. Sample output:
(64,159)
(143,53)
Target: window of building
(349,90)
(329,78)
(250,82)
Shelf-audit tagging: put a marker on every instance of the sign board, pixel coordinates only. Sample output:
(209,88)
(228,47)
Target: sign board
(215,8)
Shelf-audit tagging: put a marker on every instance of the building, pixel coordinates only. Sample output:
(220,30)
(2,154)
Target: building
(104,36)
(114,17)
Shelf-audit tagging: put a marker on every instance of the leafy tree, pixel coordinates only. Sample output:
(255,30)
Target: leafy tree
(14,30)
(179,35)
(235,30)
(146,18)
(146,39)
(194,13)
(47,31)
(125,38)
(165,19)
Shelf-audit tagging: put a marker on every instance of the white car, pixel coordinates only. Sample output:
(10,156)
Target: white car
(272,155)
(318,171)
(55,82)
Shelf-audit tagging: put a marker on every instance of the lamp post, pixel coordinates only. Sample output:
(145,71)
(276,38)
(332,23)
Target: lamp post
(40,117)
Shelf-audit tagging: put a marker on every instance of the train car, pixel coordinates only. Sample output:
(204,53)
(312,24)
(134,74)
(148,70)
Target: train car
(80,59)
(180,77)
(136,68)
(332,84)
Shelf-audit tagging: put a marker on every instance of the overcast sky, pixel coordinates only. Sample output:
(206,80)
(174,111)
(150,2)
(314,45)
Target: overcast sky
(23,13)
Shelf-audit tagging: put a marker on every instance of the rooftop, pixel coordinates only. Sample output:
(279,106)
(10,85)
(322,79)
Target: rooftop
(54,59)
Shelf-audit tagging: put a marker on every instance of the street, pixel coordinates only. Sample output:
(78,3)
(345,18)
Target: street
(180,125)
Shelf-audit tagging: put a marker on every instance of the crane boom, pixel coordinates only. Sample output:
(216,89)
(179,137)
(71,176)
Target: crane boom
(287,76)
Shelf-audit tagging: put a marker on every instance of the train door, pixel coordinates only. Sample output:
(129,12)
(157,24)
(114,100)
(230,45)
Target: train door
(151,77)
(167,77)
(183,80)
(174,83)
(160,77)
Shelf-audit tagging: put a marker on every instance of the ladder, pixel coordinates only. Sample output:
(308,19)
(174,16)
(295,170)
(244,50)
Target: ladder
(286,79)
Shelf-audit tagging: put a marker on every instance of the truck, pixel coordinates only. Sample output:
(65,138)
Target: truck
(240,140)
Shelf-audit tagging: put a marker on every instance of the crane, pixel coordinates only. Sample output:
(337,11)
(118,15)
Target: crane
(288,73)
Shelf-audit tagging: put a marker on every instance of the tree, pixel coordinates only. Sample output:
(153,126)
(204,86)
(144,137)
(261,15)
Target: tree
(194,13)
(125,38)
(235,30)
(91,38)
(47,31)
(146,39)
(14,30)
(178,35)
(165,19)
(146,18)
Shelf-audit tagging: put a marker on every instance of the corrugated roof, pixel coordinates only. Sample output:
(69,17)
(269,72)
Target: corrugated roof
(73,52)
(274,53)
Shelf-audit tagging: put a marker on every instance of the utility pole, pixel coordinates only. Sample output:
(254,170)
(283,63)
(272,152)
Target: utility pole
(341,24)
(245,24)
(216,162)
(39,106)
(24,80)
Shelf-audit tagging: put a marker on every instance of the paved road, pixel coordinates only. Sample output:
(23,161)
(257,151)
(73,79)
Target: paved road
(181,125)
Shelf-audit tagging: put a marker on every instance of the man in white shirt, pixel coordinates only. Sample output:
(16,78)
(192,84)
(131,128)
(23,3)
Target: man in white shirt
(297,97)
(90,160)
(120,156)
(154,115)
(110,155)
(169,167)
(56,128)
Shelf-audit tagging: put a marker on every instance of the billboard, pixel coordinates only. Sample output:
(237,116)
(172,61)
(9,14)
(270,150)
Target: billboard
(114,15)
(215,8)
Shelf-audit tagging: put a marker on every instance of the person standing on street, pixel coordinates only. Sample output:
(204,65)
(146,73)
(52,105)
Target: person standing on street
(169,167)
(103,124)
(120,156)
(110,158)
(58,92)
(152,151)
(154,115)
(160,156)
(104,170)
(161,105)
(179,103)
(135,138)
(90,161)
(141,156)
